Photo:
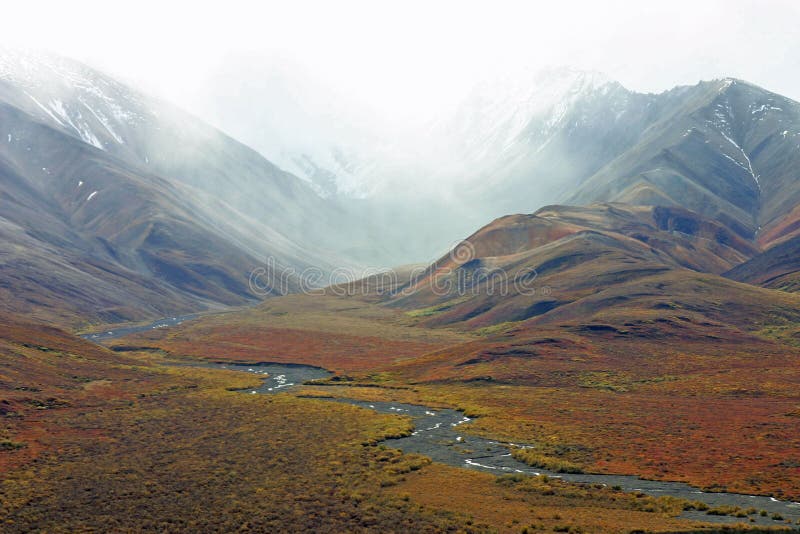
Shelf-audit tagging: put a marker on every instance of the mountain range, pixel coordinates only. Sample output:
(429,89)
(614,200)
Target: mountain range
(116,206)
(723,148)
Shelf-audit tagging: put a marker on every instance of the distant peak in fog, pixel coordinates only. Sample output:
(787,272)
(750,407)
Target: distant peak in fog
(347,149)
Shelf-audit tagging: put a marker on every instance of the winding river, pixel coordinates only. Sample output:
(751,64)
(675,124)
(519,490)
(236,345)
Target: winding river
(439,435)
(128,330)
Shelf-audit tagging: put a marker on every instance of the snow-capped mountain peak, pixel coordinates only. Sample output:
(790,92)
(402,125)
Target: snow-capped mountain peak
(70,96)
(497,113)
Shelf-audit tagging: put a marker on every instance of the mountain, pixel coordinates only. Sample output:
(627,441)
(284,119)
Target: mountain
(313,131)
(725,149)
(116,206)
(777,267)
(145,210)
(534,134)
(560,259)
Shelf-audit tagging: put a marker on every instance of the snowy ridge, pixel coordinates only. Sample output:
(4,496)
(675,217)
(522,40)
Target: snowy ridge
(497,120)
(749,167)
(74,98)
(497,114)
(723,116)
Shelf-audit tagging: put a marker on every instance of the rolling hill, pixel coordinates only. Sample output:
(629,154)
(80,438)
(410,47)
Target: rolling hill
(561,258)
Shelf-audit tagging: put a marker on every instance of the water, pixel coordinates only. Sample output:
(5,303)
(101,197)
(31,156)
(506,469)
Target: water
(127,330)
(439,434)
(276,376)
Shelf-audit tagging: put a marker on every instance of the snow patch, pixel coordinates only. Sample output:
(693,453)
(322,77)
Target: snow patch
(45,109)
(104,121)
(737,162)
(58,113)
(749,167)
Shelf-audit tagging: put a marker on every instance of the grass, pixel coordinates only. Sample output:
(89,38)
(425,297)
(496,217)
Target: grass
(436,309)
(544,461)
(337,334)
(135,445)
(179,452)
(692,411)
(515,503)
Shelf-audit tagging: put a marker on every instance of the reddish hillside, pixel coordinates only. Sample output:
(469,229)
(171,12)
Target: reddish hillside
(46,372)
(565,258)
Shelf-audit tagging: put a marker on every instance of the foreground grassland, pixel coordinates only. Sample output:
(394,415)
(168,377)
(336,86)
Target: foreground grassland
(103,441)
(187,454)
(718,409)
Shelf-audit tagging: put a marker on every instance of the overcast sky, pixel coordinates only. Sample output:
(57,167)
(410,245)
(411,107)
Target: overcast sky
(410,57)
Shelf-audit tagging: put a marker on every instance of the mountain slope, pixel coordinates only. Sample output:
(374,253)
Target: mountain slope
(159,138)
(85,234)
(117,207)
(778,267)
(532,266)
(727,150)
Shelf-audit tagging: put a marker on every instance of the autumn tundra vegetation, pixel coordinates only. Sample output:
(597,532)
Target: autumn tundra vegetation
(649,326)
(96,438)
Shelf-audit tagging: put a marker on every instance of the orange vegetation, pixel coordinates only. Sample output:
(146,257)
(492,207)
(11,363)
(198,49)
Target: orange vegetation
(674,415)
(323,331)
(665,395)
(510,504)
(122,443)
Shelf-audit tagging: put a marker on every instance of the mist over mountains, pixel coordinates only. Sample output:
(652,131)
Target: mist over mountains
(400,267)
(140,209)
(531,138)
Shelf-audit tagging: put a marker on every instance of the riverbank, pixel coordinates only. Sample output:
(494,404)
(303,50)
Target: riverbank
(439,434)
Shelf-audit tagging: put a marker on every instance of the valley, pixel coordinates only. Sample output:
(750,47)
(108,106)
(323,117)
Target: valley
(192,412)
(659,421)
(561,305)
(437,434)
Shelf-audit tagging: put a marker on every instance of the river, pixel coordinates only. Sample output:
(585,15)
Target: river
(439,434)
(128,330)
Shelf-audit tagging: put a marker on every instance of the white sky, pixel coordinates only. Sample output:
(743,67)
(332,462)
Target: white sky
(413,56)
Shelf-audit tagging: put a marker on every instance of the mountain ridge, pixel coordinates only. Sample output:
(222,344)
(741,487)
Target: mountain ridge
(189,206)
(143,211)
(580,138)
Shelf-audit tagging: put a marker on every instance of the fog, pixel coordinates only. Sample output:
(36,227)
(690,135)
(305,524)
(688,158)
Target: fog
(408,59)
(370,100)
